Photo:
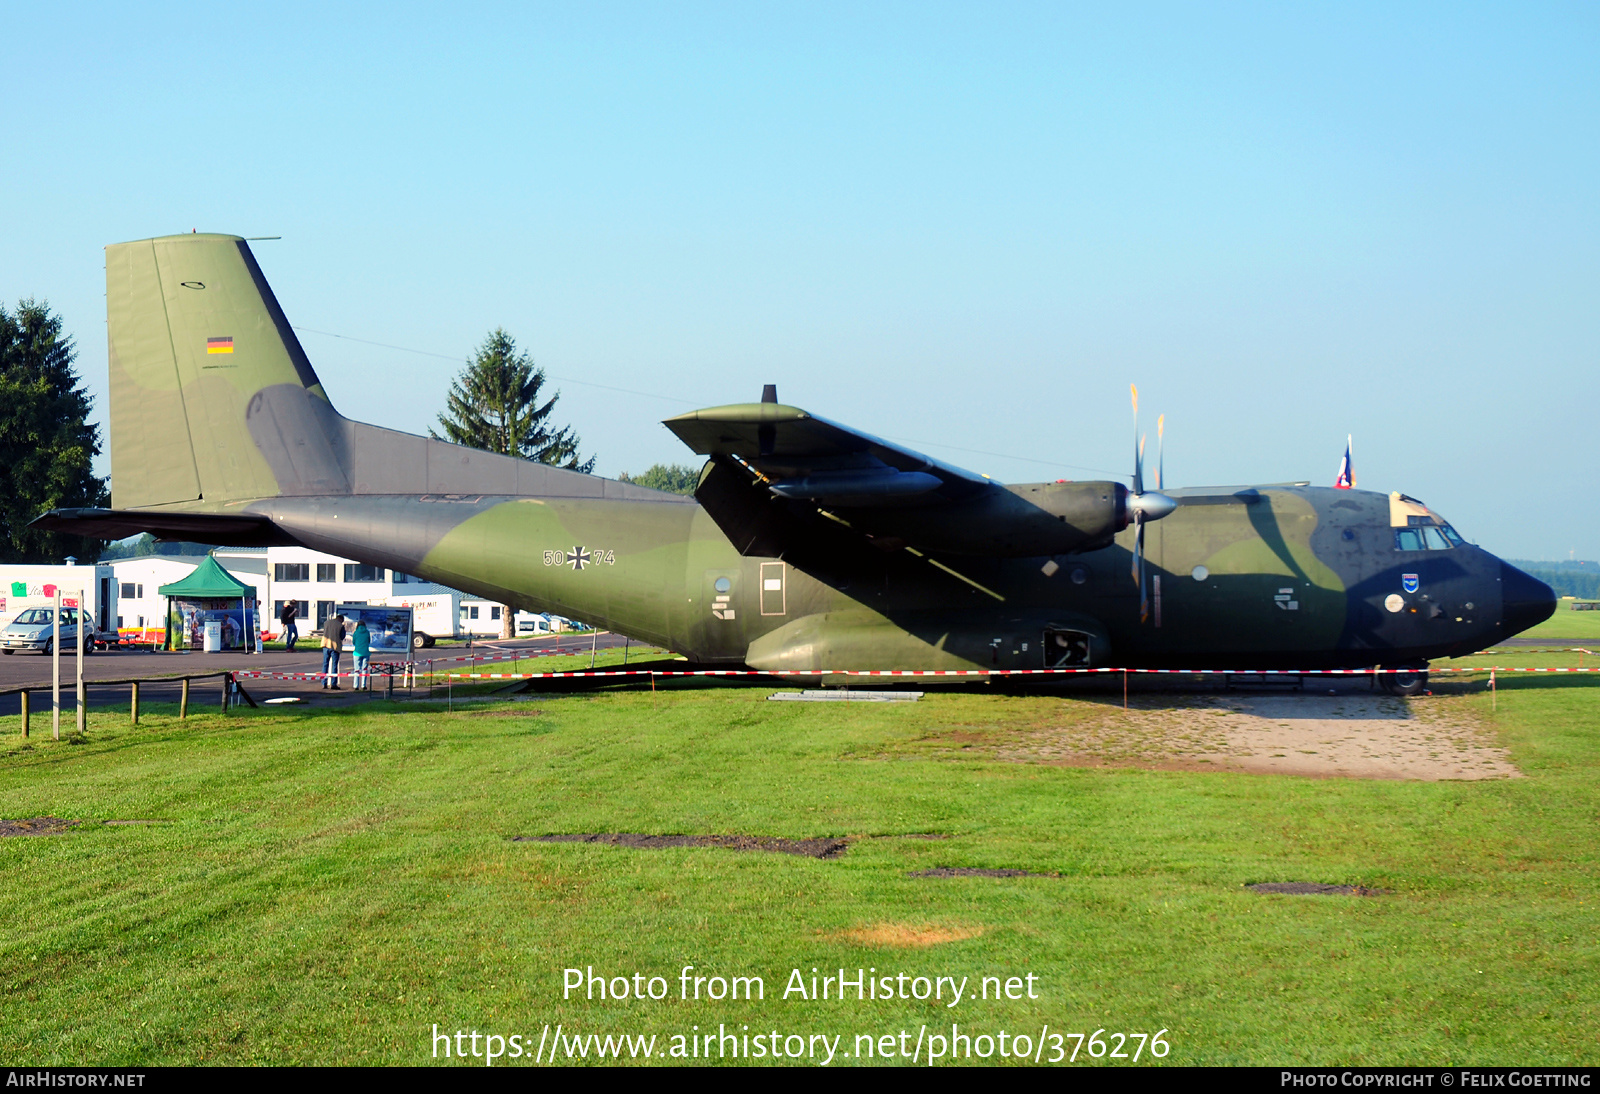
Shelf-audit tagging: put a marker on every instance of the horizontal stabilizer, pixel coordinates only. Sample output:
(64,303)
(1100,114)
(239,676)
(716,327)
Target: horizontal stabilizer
(230,529)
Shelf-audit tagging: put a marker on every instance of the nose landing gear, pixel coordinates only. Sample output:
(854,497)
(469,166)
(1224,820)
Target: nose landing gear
(1404,679)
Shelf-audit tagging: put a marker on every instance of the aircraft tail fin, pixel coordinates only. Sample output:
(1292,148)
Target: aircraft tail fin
(195,337)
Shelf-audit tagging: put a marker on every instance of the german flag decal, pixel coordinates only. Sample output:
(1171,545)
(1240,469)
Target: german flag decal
(219,345)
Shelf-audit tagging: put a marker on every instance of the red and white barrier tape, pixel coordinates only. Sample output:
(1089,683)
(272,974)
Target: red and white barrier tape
(451,676)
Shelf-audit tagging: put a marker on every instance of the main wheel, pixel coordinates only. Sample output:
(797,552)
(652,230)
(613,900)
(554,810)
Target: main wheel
(1405,680)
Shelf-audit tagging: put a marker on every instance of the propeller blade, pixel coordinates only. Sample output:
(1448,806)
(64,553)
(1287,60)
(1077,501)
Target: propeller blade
(1138,447)
(1161,449)
(1138,562)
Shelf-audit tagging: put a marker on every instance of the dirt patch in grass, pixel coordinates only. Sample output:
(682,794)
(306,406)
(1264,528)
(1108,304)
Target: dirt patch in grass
(975,871)
(1312,888)
(823,847)
(905,935)
(35,826)
(1346,731)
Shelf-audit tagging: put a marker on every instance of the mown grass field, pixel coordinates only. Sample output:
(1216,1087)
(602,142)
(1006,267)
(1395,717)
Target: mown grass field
(331,884)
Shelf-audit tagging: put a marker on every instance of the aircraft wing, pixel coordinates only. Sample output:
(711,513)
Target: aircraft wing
(786,483)
(806,457)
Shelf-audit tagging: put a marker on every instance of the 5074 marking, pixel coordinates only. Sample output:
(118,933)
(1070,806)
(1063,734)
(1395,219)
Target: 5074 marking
(580,557)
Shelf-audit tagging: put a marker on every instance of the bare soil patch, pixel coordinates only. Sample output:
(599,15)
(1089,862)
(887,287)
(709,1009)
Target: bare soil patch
(36,826)
(906,935)
(1312,888)
(1351,733)
(975,871)
(823,847)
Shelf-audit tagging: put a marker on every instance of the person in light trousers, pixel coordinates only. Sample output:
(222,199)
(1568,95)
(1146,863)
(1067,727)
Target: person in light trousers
(361,644)
(332,639)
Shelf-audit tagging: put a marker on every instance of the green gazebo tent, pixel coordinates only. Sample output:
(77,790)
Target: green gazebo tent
(212,591)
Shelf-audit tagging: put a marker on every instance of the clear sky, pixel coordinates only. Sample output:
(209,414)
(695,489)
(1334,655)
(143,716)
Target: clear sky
(966,227)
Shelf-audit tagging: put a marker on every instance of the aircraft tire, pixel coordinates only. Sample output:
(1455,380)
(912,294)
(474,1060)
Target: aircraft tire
(1405,680)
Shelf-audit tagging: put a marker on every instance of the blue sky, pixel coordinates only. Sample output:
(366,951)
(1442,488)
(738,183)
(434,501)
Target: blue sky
(965,227)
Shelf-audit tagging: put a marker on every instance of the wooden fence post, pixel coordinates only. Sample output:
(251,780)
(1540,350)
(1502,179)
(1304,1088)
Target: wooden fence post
(134,707)
(226,680)
(183,704)
(24,712)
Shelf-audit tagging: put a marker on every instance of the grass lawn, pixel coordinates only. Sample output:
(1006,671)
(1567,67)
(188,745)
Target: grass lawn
(1567,625)
(329,885)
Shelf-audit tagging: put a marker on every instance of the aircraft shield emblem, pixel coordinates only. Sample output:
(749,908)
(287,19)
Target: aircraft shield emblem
(1410,583)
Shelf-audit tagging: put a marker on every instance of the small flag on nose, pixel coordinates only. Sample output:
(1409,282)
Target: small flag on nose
(1347,471)
(219,345)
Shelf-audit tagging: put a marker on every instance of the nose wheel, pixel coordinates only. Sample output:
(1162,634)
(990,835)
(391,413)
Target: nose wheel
(1404,679)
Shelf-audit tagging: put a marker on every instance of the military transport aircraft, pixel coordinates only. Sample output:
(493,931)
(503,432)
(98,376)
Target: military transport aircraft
(808,545)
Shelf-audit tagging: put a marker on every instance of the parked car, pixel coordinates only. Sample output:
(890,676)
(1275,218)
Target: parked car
(34,629)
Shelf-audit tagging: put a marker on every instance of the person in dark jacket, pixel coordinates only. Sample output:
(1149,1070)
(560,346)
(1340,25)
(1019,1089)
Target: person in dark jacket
(291,634)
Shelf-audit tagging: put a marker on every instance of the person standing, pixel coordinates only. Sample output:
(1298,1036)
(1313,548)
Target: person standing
(332,639)
(361,645)
(291,634)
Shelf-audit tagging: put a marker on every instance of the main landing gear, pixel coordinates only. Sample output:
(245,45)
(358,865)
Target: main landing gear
(1404,679)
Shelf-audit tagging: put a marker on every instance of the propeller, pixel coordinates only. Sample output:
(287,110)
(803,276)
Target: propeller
(1142,506)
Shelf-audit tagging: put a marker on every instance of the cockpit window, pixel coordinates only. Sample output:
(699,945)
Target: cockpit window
(1427,537)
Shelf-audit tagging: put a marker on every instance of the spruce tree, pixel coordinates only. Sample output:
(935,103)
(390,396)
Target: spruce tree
(494,405)
(47,446)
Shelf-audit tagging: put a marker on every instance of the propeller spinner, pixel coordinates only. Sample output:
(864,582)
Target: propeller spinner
(1144,506)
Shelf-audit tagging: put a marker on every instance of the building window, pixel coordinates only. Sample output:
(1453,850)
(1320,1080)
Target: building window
(406,579)
(355,571)
(132,590)
(302,609)
(291,571)
(324,609)
(327,571)
(472,612)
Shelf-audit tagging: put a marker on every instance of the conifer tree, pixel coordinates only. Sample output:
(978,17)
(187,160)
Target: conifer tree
(47,446)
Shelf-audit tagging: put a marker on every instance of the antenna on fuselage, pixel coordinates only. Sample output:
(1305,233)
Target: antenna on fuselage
(769,393)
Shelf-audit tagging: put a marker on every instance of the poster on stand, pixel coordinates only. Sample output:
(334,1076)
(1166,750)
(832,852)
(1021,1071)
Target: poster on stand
(389,629)
(187,621)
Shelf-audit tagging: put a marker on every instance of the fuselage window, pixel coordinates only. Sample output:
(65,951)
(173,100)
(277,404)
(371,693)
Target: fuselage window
(1452,535)
(1408,539)
(1436,540)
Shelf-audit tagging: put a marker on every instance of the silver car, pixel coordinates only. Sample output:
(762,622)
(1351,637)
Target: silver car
(34,629)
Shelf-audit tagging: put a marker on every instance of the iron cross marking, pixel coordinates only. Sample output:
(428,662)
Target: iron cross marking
(578,557)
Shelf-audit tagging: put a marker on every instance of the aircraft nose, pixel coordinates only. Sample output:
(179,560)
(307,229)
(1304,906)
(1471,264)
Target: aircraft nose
(1526,600)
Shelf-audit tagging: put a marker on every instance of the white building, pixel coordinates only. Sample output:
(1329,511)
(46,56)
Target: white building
(315,581)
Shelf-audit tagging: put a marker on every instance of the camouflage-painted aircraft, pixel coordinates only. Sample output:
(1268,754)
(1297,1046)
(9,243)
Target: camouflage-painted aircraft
(808,545)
